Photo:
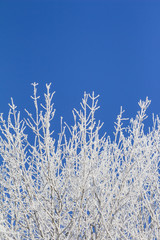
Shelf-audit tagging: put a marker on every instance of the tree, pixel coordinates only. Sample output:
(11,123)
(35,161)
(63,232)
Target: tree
(83,186)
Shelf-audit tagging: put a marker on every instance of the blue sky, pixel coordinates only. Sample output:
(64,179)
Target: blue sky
(110,47)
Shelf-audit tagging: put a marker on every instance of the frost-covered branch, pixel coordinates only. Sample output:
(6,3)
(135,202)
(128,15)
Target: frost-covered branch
(82,185)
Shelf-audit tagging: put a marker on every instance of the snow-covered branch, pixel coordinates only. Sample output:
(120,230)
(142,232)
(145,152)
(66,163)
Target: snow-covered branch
(83,185)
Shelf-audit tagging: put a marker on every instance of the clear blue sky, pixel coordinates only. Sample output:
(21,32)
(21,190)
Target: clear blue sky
(111,47)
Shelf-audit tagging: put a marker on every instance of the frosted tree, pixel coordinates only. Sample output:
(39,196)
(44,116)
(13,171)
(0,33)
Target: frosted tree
(84,185)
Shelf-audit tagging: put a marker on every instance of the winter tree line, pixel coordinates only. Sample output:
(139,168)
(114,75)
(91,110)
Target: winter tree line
(83,185)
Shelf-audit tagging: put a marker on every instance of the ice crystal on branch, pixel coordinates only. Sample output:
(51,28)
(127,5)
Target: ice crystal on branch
(84,186)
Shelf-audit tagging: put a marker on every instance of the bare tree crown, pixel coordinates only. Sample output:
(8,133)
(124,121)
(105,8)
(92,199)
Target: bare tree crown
(82,187)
